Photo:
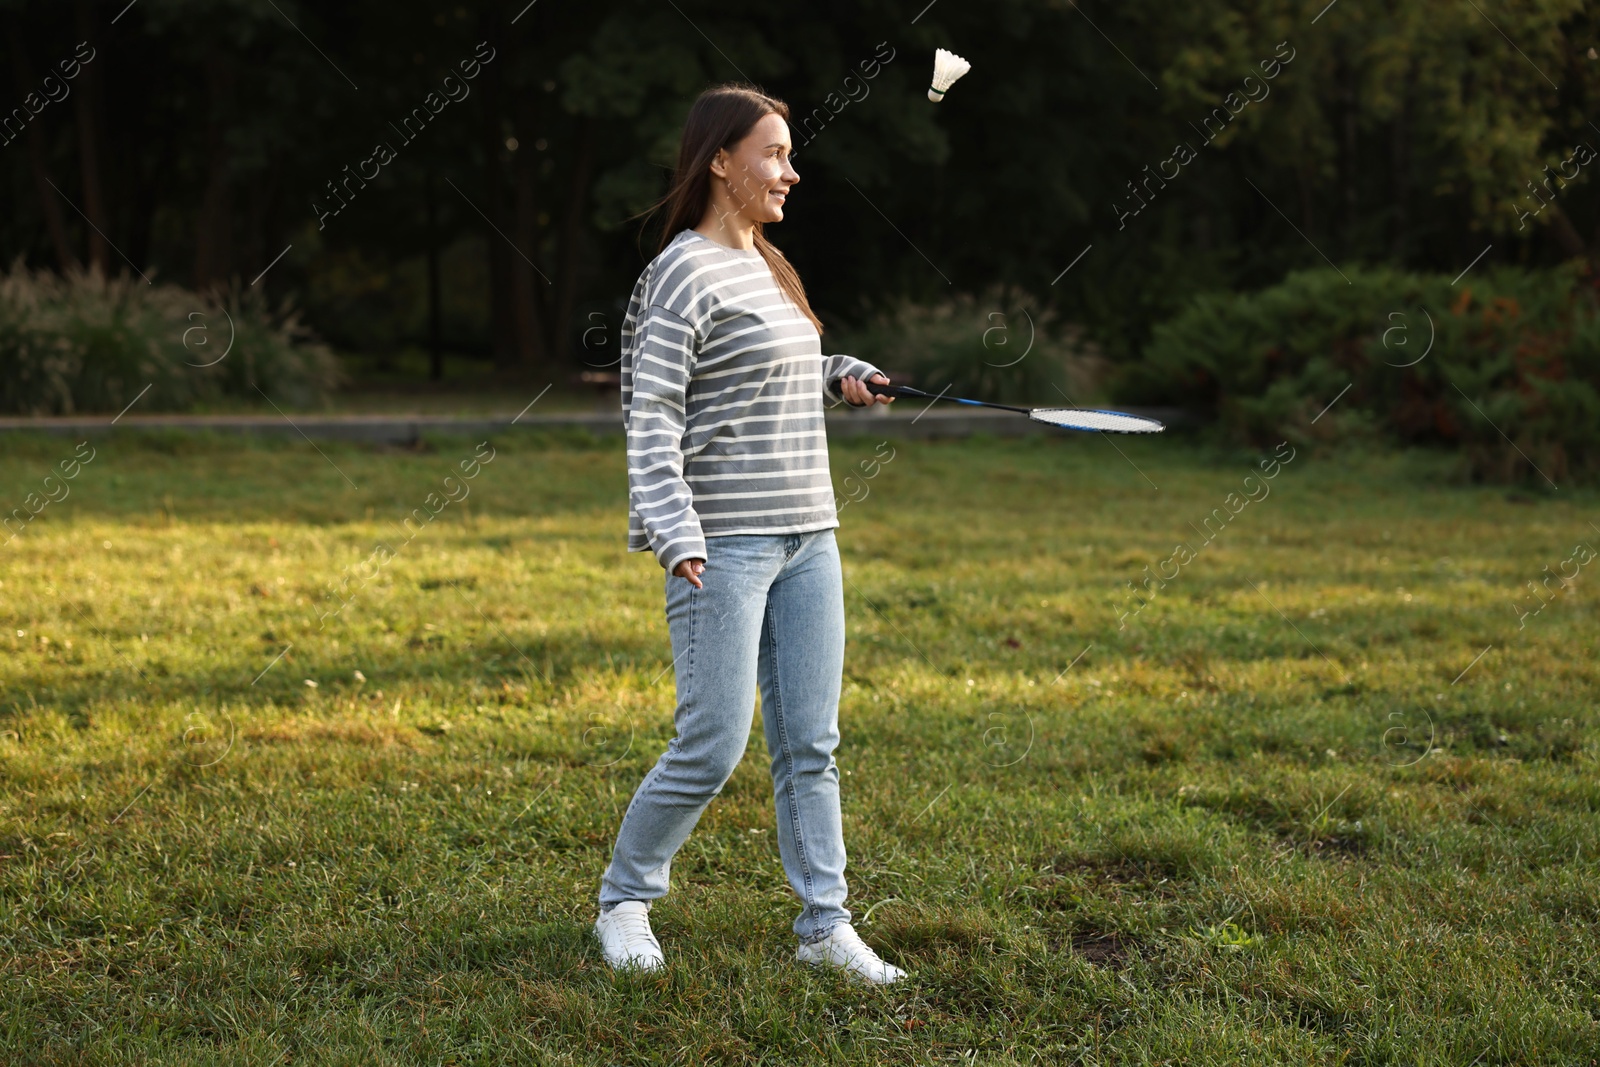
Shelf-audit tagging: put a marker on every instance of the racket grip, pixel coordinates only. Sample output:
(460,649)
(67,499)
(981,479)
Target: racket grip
(879,389)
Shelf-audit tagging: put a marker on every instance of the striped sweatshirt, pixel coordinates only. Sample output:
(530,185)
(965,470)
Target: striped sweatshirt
(723,381)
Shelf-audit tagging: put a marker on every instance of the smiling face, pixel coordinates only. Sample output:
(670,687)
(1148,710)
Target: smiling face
(753,180)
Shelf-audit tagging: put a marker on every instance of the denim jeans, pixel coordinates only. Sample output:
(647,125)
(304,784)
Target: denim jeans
(771,616)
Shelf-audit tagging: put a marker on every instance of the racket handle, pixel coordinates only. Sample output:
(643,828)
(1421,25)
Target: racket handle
(879,389)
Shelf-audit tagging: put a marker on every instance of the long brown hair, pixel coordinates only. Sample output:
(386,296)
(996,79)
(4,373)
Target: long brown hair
(721,117)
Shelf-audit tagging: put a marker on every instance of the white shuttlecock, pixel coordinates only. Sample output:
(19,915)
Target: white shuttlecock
(947,67)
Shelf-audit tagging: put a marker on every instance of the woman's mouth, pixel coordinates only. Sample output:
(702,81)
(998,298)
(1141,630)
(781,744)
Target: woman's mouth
(781,196)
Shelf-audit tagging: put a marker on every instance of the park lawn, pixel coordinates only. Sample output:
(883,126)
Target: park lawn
(1326,799)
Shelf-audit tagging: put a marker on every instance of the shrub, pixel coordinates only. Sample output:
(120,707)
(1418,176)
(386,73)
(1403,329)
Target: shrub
(1504,367)
(982,347)
(87,343)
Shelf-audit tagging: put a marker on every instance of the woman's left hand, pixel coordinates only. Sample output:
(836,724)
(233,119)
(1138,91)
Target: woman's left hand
(859,395)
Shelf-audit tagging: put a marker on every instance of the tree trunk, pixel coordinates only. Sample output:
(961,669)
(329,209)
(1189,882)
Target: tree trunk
(1349,167)
(1400,172)
(254,247)
(1566,234)
(571,240)
(49,200)
(89,140)
(502,331)
(528,284)
(526,301)
(213,250)
(141,201)
(1307,216)
(435,325)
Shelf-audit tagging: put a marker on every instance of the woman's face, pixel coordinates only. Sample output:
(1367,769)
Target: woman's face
(758,171)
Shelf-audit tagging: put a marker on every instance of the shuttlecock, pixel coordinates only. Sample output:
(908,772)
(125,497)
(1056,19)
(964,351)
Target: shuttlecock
(947,67)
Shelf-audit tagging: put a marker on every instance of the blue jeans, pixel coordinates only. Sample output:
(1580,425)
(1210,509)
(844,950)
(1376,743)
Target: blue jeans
(771,615)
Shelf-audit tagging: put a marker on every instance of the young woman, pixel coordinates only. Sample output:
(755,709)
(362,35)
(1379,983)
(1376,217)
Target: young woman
(723,381)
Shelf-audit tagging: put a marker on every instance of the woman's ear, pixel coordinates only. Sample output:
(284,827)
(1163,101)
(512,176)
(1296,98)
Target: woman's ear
(718,167)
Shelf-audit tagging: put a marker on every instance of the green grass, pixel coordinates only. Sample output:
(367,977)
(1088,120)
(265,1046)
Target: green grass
(1220,836)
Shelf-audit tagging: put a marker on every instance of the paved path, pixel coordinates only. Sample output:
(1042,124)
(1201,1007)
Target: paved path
(900,421)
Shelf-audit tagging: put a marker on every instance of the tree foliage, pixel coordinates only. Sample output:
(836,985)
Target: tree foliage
(196,142)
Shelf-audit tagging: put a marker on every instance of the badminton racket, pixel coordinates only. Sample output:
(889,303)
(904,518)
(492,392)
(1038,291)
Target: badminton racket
(1087,419)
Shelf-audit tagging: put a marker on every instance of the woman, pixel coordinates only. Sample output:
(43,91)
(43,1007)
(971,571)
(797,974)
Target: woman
(723,380)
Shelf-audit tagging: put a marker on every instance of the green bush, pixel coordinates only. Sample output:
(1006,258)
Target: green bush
(87,343)
(1504,366)
(982,347)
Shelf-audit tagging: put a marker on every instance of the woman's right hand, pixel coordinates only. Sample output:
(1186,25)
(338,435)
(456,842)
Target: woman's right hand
(691,569)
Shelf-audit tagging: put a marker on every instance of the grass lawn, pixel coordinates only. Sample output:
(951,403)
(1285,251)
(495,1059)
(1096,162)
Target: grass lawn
(1324,799)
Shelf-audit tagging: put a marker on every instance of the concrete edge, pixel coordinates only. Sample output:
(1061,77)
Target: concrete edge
(404,429)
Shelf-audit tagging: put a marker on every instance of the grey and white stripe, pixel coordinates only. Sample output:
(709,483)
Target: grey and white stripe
(723,381)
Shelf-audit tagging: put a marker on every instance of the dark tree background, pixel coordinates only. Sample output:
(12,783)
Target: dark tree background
(199,142)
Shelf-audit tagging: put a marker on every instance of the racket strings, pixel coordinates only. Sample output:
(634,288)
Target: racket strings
(1087,419)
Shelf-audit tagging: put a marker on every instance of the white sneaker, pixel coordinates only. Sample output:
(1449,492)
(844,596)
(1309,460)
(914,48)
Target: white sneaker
(843,948)
(625,936)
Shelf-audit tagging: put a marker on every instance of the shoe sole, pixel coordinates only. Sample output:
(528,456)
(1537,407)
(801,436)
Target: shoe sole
(854,976)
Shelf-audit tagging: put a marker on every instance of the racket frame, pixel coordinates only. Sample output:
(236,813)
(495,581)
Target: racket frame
(1156,426)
